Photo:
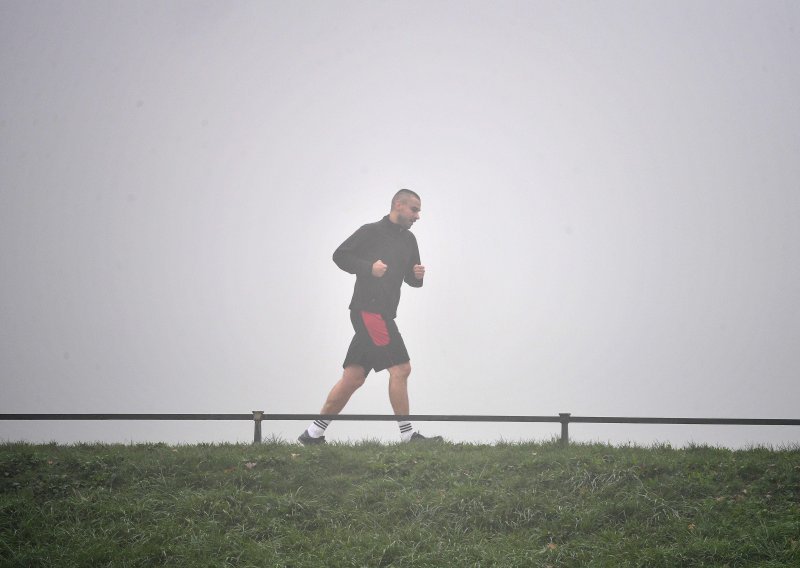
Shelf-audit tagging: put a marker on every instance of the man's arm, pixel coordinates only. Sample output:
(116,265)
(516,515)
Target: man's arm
(346,255)
(416,271)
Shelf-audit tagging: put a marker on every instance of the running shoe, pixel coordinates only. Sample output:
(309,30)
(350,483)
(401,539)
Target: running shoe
(308,440)
(417,437)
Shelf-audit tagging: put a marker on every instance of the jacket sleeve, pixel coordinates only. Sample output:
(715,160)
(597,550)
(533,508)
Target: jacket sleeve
(409,277)
(346,256)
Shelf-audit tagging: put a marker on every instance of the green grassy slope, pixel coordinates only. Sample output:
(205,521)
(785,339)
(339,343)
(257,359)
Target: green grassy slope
(368,504)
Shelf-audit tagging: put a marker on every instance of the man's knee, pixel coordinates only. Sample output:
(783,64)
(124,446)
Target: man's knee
(354,376)
(401,371)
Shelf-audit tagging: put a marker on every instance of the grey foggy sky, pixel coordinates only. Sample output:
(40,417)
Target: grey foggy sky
(610,196)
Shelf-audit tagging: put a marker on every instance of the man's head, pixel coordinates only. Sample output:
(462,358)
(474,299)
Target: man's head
(406,206)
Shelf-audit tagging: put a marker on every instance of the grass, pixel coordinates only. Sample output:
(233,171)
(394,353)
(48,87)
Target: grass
(369,504)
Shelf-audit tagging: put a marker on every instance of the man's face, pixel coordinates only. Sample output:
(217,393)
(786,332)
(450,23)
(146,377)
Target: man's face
(408,210)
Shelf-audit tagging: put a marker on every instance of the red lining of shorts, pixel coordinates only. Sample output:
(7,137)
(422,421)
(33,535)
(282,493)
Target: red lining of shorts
(376,328)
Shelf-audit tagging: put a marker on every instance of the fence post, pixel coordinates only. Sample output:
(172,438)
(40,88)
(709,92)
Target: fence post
(258,415)
(565,427)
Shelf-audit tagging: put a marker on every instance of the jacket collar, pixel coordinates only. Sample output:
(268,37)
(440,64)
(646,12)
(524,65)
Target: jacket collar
(386,222)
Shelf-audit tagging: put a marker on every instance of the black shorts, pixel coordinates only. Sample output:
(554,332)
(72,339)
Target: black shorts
(377,343)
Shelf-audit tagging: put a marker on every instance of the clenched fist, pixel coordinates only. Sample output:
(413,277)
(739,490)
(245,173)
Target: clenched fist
(378,268)
(419,271)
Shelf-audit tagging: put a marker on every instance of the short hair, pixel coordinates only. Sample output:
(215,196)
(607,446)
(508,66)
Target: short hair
(403,193)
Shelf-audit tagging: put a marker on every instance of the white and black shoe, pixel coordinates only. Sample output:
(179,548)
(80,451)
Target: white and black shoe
(308,440)
(417,437)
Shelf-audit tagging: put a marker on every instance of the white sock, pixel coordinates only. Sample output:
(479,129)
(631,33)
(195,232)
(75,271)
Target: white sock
(317,428)
(406,430)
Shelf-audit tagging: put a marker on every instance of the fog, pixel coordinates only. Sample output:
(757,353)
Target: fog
(610,195)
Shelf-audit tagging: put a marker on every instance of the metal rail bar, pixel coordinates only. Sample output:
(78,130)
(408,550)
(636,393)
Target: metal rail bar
(258,416)
(125,416)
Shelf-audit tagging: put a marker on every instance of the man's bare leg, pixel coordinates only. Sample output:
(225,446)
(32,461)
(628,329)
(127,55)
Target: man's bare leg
(398,396)
(398,388)
(352,379)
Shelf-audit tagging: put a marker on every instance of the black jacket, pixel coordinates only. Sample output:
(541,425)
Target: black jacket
(396,247)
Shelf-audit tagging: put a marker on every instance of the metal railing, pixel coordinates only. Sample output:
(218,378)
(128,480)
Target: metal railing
(564,418)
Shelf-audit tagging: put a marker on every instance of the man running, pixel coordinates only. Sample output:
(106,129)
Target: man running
(382,255)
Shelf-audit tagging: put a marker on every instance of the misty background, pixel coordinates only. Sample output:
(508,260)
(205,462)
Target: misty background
(610,203)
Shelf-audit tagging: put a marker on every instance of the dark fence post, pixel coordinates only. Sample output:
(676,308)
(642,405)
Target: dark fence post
(565,427)
(258,415)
